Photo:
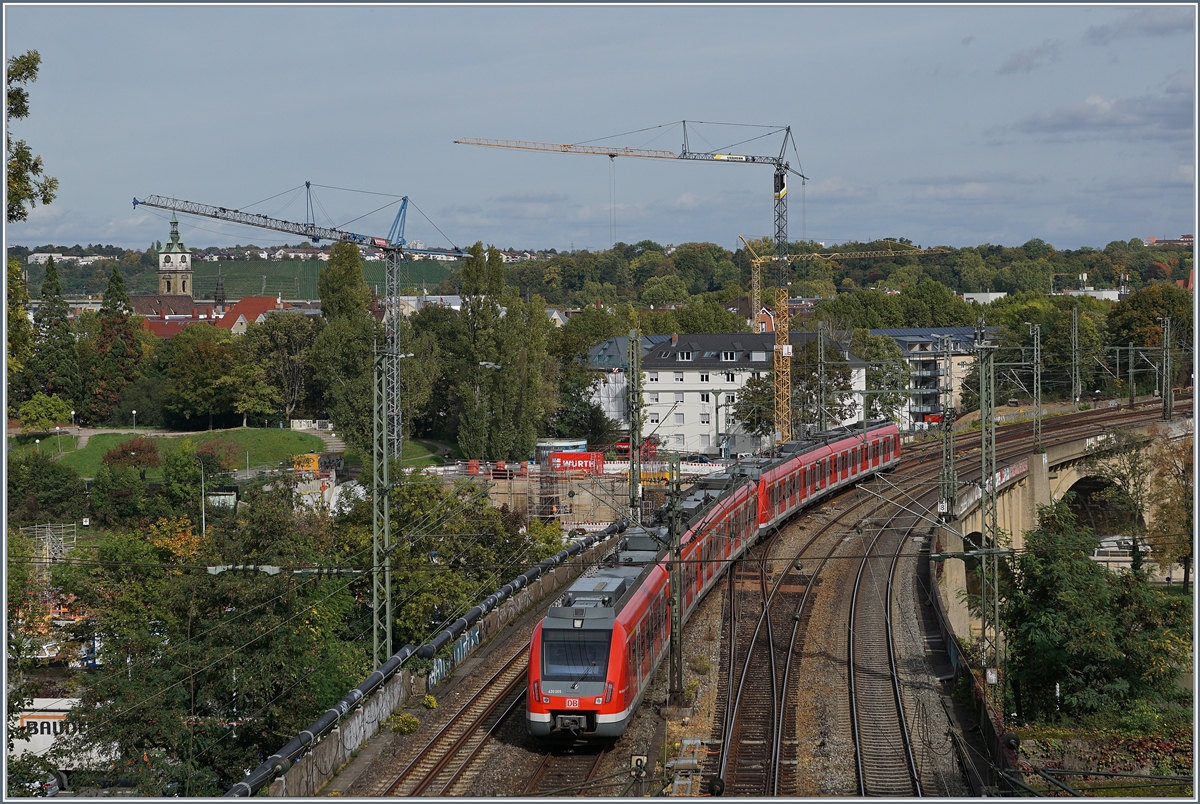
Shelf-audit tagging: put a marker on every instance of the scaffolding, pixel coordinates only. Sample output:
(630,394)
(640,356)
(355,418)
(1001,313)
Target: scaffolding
(51,543)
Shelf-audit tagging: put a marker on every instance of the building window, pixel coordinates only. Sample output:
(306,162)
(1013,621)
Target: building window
(679,376)
(679,418)
(652,418)
(704,418)
(679,440)
(704,440)
(652,376)
(683,356)
(704,397)
(730,399)
(679,396)
(729,376)
(704,376)
(758,357)
(728,357)
(756,375)
(652,397)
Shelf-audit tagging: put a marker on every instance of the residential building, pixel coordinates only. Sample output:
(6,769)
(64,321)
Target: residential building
(42,257)
(982,298)
(923,348)
(690,384)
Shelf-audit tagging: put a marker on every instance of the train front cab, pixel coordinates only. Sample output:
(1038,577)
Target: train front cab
(570,689)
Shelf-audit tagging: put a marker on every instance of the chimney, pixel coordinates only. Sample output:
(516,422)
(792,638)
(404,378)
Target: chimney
(163,313)
(674,339)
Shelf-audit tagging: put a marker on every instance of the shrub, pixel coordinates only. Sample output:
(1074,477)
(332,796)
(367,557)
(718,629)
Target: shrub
(404,723)
(429,702)
(699,665)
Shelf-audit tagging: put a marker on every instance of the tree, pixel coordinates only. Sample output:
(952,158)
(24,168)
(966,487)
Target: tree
(20,329)
(185,653)
(118,495)
(1082,640)
(26,183)
(754,408)
(40,489)
(342,355)
(343,290)
(139,452)
(41,413)
(54,367)
(249,383)
(196,360)
(1172,530)
(1123,458)
(118,353)
(1134,319)
(887,370)
(281,343)
(661,291)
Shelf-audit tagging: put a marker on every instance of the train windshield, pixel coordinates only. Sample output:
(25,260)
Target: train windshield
(575,655)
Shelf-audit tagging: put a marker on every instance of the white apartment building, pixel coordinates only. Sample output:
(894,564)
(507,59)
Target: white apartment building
(690,384)
(923,349)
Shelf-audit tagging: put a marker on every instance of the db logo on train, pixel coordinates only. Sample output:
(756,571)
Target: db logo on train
(572,703)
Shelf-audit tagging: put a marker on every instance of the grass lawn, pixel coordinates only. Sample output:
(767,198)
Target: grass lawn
(266,447)
(22,444)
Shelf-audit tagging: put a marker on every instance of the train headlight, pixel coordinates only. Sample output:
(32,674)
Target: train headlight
(599,701)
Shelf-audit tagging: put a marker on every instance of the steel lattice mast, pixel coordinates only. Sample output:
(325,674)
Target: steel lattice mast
(783,350)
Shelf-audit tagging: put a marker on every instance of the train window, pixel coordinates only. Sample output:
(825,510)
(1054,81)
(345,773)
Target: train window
(575,654)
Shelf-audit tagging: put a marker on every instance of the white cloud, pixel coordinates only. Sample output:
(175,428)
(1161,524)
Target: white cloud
(1158,117)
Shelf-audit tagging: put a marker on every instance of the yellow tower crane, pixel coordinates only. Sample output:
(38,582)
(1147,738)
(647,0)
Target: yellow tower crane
(783,350)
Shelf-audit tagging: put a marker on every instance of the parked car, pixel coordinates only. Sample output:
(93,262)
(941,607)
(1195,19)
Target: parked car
(697,459)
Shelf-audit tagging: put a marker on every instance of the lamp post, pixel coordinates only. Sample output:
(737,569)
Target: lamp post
(203,530)
(58,432)
(134,419)
(72,418)
(37,445)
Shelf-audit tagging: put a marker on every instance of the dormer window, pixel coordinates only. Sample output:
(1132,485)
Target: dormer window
(728,357)
(683,356)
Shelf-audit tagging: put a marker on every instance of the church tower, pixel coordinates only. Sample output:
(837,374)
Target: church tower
(175,265)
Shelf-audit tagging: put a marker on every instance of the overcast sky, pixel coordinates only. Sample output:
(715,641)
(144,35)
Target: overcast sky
(946,125)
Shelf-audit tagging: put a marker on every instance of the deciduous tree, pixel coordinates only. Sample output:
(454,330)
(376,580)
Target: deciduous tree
(41,413)
(196,360)
(27,184)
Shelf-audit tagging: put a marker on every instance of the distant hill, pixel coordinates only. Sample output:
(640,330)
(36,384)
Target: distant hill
(293,279)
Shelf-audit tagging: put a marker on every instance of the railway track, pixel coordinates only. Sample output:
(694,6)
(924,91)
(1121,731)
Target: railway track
(566,771)
(755,731)
(449,753)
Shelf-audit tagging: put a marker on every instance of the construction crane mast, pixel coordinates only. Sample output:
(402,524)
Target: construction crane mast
(783,349)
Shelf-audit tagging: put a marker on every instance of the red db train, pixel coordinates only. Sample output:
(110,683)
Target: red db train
(592,656)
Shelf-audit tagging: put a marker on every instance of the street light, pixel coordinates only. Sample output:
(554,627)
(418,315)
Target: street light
(135,420)
(58,432)
(37,445)
(203,530)
(72,418)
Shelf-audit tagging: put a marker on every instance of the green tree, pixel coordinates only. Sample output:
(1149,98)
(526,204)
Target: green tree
(118,353)
(1134,319)
(661,291)
(41,413)
(196,360)
(343,289)
(185,653)
(118,495)
(27,185)
(887,371)
(754,408)
(20,328)
(54,366)
(1084,641)
(341,359)
(1123,458)
(1170,536)
(249,383)
(281,343)
(40,489)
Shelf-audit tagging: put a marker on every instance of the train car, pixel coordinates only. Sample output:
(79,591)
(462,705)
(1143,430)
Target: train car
(593,655)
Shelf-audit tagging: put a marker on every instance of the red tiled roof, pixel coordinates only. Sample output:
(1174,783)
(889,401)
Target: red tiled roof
(166,328)
(251,307)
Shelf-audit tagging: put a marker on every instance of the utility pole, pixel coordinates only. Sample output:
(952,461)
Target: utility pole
(821,417)
(990,587)
(1167,391)
(1132,388)
(381,532)
(948,481)
(675,534)
(1076,383)
(1036,331)
(633,388)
